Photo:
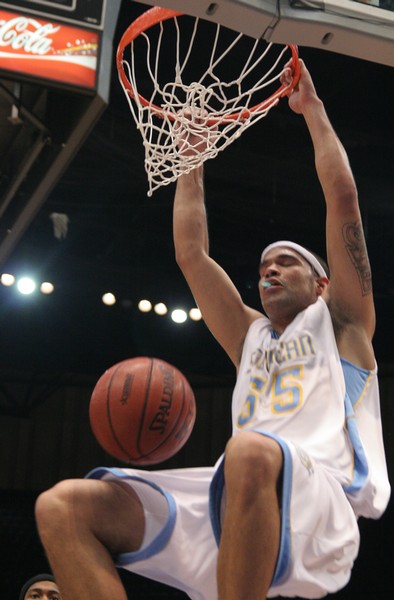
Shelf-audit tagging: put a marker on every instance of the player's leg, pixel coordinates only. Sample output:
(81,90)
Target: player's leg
(83,524)
(251,525)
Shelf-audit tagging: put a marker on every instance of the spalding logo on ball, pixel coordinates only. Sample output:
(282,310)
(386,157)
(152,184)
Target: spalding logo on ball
(142,410)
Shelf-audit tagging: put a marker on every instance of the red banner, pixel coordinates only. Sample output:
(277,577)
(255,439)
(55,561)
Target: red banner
(49,50)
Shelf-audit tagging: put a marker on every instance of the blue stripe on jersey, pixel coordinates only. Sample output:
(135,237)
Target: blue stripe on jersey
(356,381)
(215,498)
(160,541)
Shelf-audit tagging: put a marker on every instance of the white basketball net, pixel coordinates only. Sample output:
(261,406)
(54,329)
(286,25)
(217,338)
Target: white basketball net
(191,96)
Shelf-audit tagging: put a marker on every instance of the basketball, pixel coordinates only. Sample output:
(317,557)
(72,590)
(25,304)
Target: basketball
(142,410)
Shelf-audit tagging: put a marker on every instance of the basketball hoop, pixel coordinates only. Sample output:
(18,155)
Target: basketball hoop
(193,87)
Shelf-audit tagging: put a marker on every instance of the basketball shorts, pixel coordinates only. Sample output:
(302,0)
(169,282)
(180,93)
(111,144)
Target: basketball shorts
(319,537)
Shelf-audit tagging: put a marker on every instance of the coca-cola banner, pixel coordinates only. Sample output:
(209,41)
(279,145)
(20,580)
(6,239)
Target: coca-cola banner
(48,50)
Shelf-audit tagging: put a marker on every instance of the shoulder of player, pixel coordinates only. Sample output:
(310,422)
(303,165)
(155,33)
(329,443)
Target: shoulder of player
(353,340)
(251,316)
(349,310)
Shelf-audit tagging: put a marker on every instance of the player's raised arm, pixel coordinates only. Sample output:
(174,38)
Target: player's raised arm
(350,291)
(221,305)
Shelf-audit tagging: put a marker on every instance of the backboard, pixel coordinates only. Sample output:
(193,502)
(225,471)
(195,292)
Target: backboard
(352,27)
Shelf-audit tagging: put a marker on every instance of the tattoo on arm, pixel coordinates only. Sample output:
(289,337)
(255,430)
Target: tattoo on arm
(355,245)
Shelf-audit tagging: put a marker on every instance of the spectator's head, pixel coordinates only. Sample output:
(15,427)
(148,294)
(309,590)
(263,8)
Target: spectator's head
(40,587)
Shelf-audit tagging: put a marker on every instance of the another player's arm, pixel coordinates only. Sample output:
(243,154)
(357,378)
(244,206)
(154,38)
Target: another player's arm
(221,305)
(350,291)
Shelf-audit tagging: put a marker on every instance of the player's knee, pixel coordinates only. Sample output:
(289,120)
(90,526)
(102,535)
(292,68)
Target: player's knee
(86,509)
(52,506)
(57,499)
(252,457)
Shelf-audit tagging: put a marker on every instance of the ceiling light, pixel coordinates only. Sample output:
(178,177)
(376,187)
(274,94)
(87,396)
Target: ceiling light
(160,308)
(144,305)
(109,299)
(7,279)
(178,315)
(195,314)
(46,287)
(26,285)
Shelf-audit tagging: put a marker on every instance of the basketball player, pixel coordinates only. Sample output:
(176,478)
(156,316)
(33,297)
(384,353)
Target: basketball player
(277,516)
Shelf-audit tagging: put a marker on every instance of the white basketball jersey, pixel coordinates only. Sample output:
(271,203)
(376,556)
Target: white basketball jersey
(369,491)
(294,386)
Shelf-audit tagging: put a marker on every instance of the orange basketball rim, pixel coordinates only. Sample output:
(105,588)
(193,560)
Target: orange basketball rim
(158,15)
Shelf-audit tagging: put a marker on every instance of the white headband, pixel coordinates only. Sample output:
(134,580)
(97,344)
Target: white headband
(312,260)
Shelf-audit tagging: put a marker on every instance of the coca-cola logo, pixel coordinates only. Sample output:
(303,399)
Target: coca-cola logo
(49,50)
(28,34)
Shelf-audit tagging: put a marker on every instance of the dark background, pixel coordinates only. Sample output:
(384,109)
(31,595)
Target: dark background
(53,348)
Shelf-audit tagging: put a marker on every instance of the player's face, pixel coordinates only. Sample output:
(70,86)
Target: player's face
(292,284)
(43,590)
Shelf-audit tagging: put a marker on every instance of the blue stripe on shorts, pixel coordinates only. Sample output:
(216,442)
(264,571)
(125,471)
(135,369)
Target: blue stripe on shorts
(161,540)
